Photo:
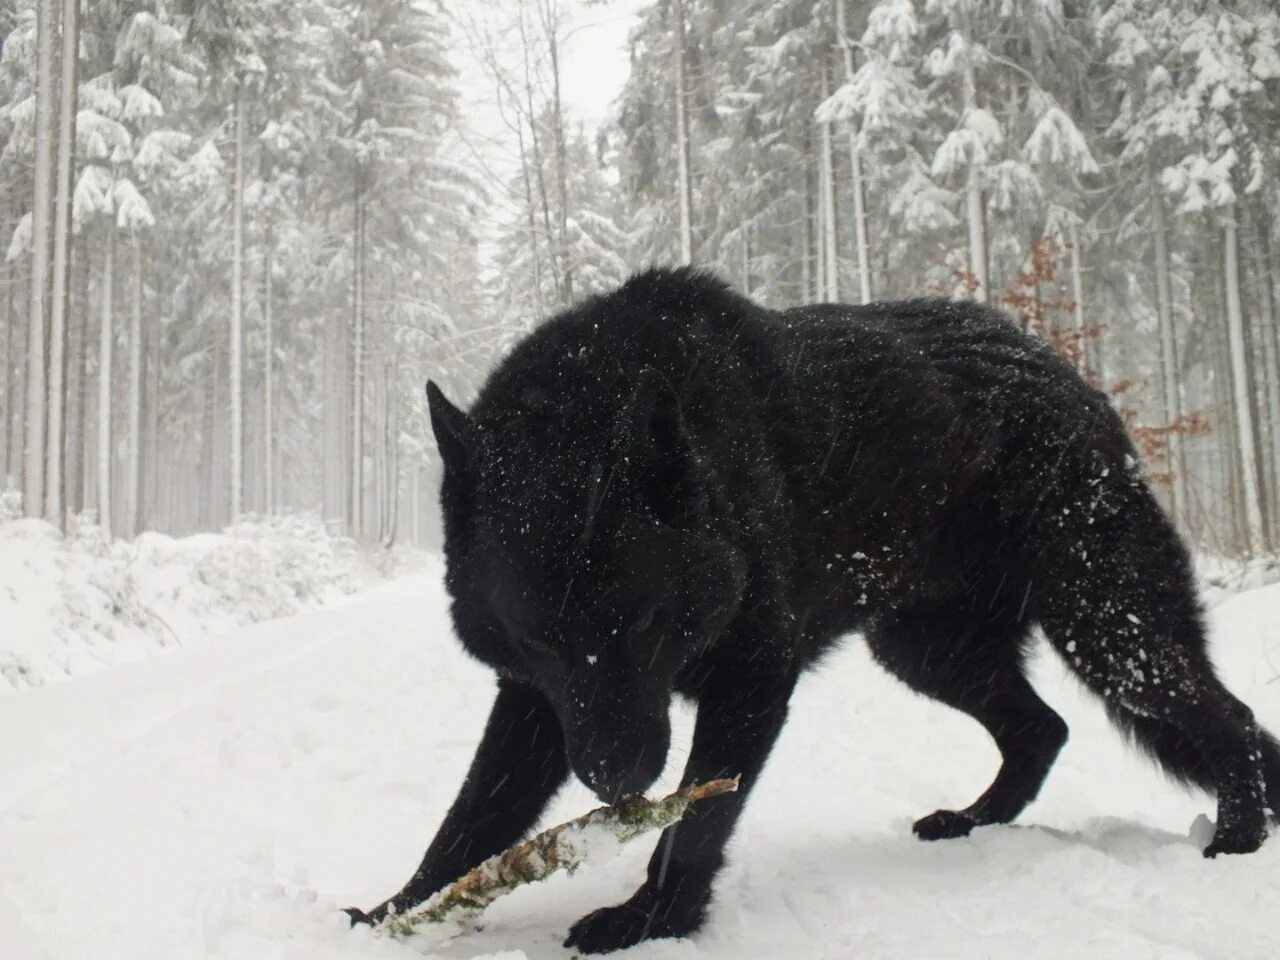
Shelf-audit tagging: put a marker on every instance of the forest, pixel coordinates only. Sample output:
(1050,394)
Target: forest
(239,235)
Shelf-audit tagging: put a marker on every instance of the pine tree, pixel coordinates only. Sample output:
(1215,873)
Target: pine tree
(594,242)
(34,465)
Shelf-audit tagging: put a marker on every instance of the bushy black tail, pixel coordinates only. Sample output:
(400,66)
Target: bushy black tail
(1177,756)
(1169,747)
(1129,625)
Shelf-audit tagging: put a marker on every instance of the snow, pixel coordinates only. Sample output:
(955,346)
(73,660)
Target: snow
(225,799)
(74,605)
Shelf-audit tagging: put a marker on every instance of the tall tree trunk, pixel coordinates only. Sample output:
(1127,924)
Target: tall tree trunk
(550,15)
(1252,352)
(133,440)
(1100,355)
(268,379)
(6,414)
(1077,300)
(682,135)
(827,180)
(392,420)
(34,479)
(861,243)
(807,261)
(974,205)
(1255,532)
(531,211)
(333,469)
(220,481)
(557,268)
(356,508)
(77,333)
(379,526)
(21,295)
(237,315)
(335,472)
(415,505)
(204,514)
(149,485)
(1256,316)
(1168,347)
(105,337)
(84,432)
(1268,271)
(811,272)
(282,501)
(8,427)
(55,440)
(1228,459)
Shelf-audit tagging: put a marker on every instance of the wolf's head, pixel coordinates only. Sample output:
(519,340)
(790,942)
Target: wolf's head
(582,558)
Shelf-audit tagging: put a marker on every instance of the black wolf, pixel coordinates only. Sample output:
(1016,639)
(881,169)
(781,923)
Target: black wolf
(670,489)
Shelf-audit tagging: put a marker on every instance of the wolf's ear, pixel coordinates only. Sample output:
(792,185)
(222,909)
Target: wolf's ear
(454,430)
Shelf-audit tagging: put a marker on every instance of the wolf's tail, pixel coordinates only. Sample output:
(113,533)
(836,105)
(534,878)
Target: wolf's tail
(1177,756)
(1124,615)
(1168,746)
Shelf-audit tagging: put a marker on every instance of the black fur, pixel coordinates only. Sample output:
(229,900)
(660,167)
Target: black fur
(670,489)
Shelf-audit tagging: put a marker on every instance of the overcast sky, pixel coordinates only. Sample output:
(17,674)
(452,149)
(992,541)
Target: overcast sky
(595,65)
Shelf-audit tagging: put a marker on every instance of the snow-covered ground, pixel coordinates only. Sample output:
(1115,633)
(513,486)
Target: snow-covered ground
(227,798)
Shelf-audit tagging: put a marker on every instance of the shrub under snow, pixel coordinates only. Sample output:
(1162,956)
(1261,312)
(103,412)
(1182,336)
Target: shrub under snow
(74,604)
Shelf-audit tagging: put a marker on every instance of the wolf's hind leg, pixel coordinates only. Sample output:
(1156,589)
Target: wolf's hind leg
(1145,655)
(976,668)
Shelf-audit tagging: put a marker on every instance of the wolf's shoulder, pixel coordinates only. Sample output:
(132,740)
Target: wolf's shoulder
(674,320)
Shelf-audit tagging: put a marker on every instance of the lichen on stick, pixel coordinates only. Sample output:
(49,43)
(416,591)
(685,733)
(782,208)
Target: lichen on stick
(562,847)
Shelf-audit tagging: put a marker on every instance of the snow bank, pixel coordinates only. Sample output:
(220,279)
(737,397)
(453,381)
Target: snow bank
(75,604)
(1220,577)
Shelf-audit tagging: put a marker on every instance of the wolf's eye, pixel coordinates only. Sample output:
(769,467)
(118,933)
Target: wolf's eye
(650,615)
(531,643)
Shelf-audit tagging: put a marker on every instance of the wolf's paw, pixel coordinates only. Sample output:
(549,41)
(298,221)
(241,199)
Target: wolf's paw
(944,825)
(1242,827)
(358,916)
(641,918)
(1235,841)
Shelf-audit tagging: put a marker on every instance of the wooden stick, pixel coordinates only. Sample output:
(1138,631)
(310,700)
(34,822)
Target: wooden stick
(562,847)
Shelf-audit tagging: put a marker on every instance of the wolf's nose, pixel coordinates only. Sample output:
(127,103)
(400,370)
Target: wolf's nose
(611,780)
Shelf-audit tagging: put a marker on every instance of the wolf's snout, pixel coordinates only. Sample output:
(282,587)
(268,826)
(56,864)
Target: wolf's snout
(611,778)
(619,752)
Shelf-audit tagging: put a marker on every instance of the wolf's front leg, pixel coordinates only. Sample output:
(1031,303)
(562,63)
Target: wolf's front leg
(739,716)
(518,767)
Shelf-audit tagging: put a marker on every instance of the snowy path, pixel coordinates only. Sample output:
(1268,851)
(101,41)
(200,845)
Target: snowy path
(225,799)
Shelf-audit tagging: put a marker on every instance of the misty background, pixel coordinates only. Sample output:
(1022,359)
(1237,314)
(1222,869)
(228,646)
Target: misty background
(239,235)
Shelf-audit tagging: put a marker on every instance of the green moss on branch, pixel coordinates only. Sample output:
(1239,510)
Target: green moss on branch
(562,847)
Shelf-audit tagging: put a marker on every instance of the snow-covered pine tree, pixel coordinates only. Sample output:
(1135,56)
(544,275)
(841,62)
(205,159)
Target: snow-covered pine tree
(60,281)
(41,209)
(594,242)
(1196,122)
(17,77)
(407,194)
(893,126)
